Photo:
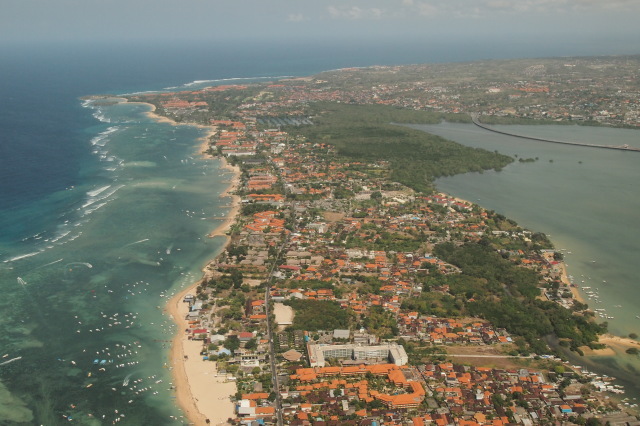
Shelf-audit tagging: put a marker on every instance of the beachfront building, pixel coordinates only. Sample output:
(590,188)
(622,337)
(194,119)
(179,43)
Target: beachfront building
(362,354)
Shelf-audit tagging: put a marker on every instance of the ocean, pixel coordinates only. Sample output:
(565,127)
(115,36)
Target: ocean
(104,214)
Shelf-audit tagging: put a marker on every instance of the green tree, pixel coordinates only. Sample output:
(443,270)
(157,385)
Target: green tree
(232,343)
(251,344)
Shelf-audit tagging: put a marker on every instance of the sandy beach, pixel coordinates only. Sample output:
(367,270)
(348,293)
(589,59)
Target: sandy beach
(222,229)
(211,130)
(564,277)
(615,345)
(200,392)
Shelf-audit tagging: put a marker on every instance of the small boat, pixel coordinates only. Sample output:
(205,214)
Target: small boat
(10,360)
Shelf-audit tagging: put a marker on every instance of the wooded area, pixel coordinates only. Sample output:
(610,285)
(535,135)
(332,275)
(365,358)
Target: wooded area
(365,133)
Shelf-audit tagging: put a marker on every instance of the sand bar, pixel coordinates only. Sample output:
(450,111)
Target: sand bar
(615,345)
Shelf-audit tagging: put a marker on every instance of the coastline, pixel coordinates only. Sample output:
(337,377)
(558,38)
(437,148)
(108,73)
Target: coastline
(200,392)
(614,345)
(189,397)
(210,130)
(564,277)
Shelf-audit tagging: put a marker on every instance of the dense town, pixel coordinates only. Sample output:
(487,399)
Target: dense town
(344,297)
(598,91)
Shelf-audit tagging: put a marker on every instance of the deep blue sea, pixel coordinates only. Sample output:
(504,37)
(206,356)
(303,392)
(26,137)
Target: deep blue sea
(104,213)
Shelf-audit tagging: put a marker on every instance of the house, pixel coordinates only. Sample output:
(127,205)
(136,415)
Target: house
(197,306)
(200,334)
(217,338)
(245,336)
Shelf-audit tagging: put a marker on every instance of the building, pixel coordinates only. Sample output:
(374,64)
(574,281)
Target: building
(387,352)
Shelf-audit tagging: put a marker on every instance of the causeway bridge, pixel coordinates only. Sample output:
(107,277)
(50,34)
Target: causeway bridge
(474,118)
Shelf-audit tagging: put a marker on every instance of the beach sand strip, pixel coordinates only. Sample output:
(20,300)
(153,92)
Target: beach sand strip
(201,393)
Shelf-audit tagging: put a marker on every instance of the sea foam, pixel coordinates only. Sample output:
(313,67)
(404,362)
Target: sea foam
(103,136)
(100,194)
(221,80)
(98,191)
(22,256)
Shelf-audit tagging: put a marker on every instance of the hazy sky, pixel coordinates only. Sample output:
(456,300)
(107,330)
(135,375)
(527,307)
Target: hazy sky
(600,21)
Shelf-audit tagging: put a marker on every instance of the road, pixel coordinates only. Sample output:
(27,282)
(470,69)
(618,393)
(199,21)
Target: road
(474,118)
(488,356)
(270,335)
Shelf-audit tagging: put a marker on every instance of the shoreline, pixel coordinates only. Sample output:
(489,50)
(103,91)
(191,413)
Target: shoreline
(188,398)
(614,344)
(564,277)
(211,130)
(201,394)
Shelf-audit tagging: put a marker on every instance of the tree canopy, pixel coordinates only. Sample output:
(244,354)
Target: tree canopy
(365,132)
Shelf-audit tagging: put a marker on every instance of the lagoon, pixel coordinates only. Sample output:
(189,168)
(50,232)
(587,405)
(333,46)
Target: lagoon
(587,201)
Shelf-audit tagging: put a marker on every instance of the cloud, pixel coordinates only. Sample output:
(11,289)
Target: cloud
(354,12)
(624,5)
(426,9)
(296,17)
(500,4)
(559,6)
(490,10)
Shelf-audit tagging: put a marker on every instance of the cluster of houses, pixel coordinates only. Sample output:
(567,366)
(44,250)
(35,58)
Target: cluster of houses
(315,252)
(480,395)
(443,331)
(440,394)
(327,225)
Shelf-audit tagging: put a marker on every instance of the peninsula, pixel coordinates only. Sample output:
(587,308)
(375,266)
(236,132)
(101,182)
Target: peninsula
(351,290)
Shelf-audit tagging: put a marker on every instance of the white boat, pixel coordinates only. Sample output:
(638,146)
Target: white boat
(11,360)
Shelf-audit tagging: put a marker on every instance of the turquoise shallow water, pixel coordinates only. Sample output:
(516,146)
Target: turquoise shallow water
(117,194)
(587,200)
(82,305)
(150,205)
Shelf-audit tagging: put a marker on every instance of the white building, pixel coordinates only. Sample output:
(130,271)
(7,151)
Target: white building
(389,352)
